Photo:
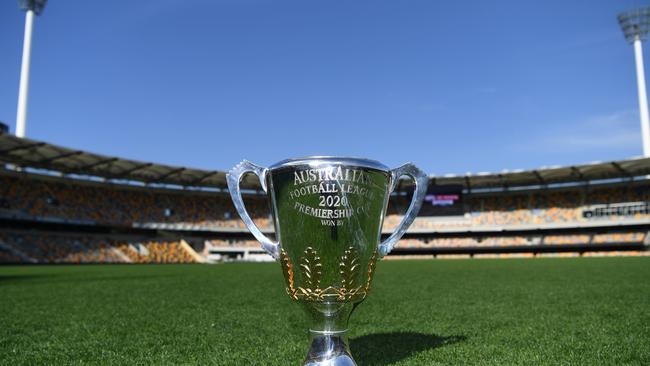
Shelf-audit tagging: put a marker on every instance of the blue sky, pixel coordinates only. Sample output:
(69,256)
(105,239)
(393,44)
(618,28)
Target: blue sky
(453,86)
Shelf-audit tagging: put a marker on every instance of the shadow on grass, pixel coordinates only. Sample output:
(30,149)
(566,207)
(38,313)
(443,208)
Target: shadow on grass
(383,349)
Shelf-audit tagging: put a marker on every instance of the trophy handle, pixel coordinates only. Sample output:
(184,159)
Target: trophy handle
(234,177)
(421,183)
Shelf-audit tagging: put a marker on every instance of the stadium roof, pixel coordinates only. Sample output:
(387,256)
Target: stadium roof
(29,153)
(620,169)
(36,154)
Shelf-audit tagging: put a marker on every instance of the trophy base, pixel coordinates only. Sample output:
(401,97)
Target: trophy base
(329,349)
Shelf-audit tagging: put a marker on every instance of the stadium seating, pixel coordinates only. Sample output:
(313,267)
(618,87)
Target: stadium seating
(235,243)
(121,205)
(538,207)
(490,241)
(7,256)
(26,197)
(155,252)
(537,239)
(40,247)
(47,248)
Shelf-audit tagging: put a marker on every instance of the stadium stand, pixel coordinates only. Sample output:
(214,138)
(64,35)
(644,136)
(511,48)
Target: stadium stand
(95,203)
(44,198)
(156,252)
(59,205)
(55,247)
(7,256)
(39,247)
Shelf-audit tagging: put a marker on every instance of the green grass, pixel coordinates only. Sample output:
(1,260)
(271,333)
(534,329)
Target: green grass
(458,312)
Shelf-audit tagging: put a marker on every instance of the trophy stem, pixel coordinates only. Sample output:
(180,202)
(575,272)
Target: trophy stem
(329,349)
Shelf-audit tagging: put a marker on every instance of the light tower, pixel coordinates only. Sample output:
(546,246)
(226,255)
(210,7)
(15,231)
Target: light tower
(30,7)
(635,25)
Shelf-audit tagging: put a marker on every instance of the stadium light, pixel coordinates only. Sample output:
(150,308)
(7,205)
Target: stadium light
(635,25)
(30,7)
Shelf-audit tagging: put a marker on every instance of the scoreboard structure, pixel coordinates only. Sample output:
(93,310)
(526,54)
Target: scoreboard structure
(443,200)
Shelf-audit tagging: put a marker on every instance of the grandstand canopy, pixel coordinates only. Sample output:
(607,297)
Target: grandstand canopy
(27,153)
(620,169)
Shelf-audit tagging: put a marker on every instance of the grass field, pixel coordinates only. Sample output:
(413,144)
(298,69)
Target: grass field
(590,311)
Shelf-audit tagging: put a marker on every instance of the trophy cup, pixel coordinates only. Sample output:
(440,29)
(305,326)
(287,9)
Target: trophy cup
(328,214)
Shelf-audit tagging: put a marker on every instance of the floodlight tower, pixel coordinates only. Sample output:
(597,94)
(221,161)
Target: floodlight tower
(635,25)
(30,7)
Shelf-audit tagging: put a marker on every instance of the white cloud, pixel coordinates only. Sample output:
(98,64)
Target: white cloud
(617,140)
(615,131)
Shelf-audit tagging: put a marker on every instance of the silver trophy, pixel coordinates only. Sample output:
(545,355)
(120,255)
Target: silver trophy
(328,214)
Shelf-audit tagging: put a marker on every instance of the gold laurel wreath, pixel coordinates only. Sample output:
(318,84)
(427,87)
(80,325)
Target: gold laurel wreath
(311,269)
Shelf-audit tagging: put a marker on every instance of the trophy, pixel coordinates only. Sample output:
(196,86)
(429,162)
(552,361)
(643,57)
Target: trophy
(328,214)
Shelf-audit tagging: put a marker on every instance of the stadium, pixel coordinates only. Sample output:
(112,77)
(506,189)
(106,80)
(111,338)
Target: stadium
(109,260)
(61,205)
(66,206)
